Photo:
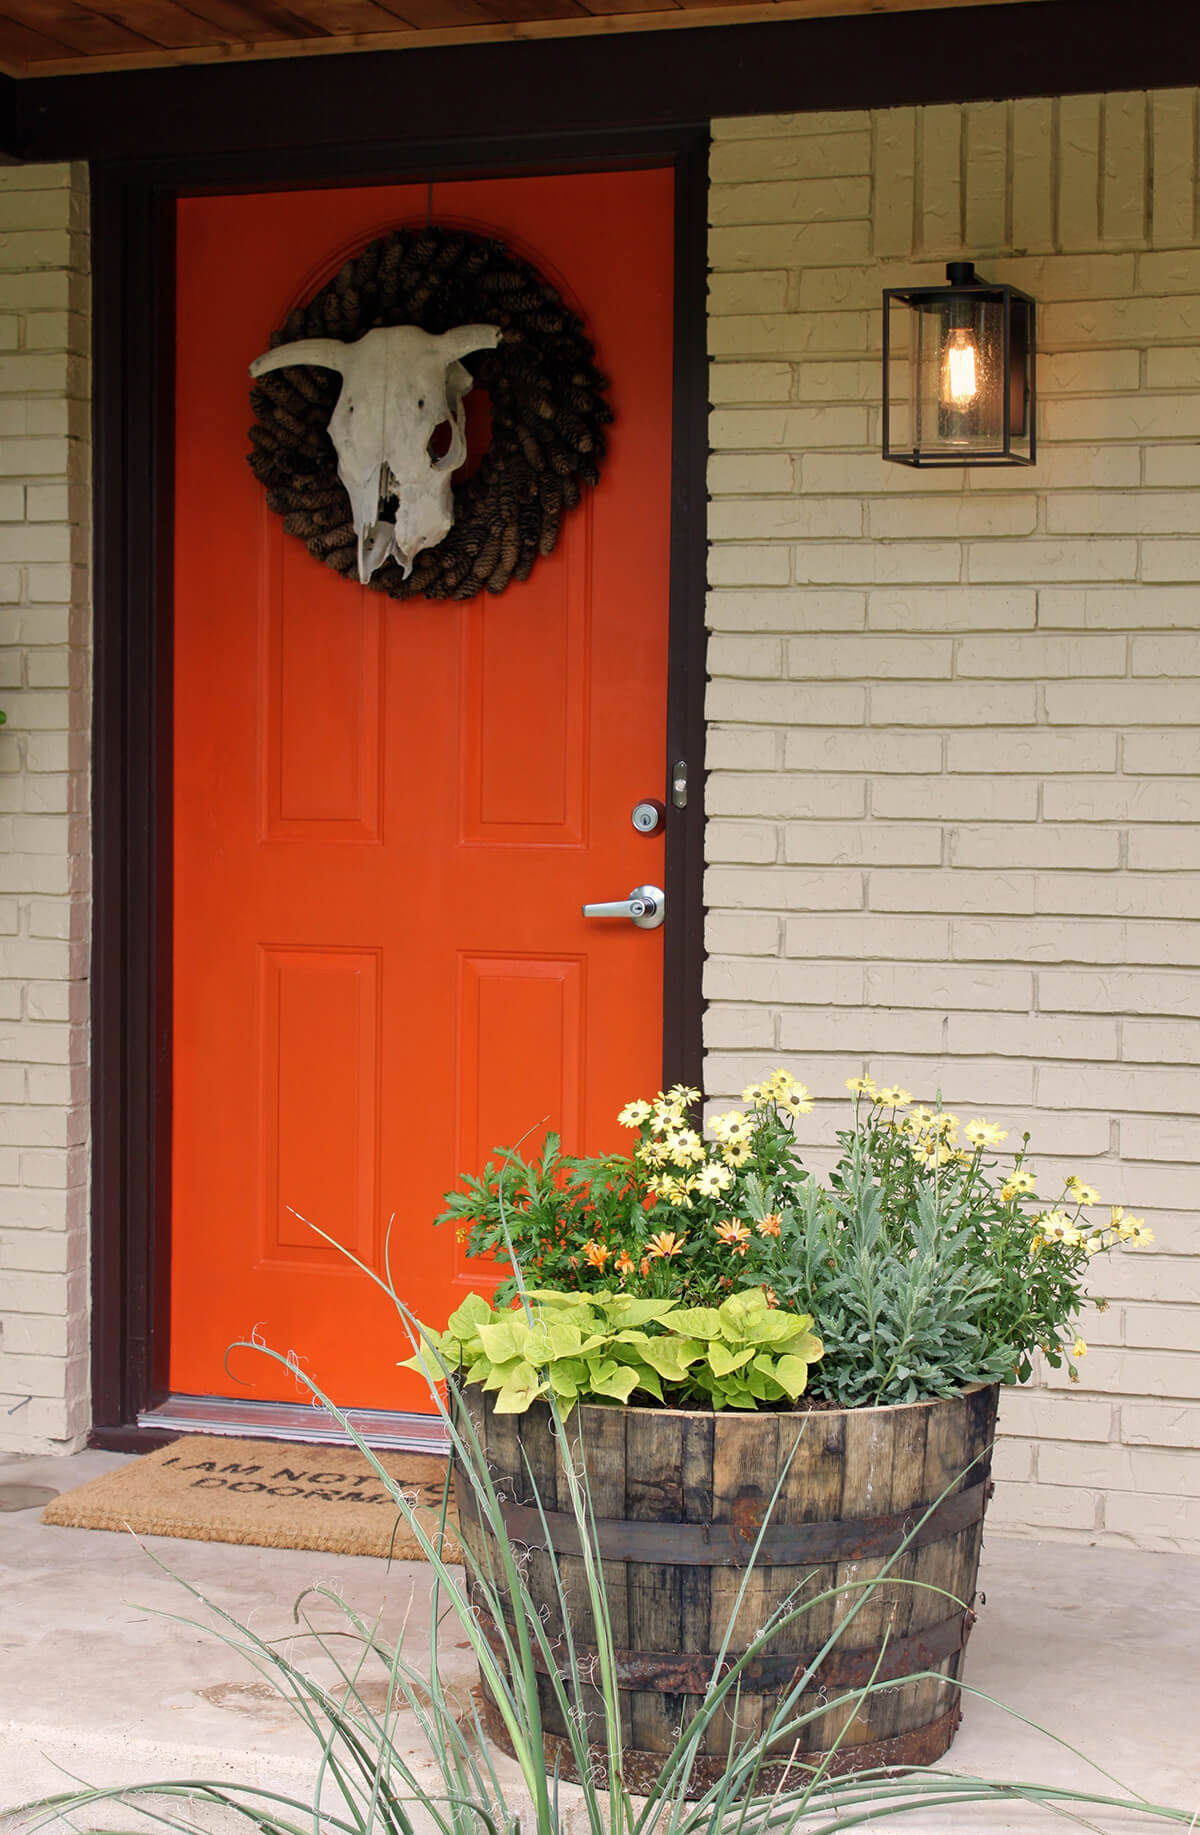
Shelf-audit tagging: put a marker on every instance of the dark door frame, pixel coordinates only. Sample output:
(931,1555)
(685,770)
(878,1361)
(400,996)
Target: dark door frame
(133,266)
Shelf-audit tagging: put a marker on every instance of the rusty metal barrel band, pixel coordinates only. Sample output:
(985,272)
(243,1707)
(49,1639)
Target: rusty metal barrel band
(691,1673)
(732,1544)
(641,1771)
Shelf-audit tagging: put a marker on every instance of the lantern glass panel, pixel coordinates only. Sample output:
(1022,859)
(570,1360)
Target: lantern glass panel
(959,375)
(958,366)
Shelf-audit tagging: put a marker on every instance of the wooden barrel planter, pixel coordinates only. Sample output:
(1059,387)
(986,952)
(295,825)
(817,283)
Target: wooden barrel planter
(679,1498)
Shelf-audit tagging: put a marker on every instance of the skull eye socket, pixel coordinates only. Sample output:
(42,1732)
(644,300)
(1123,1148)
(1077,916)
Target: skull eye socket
(440,440)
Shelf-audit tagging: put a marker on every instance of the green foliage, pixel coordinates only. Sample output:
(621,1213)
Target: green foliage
(925,1265)
(605,1347)
(649,1219)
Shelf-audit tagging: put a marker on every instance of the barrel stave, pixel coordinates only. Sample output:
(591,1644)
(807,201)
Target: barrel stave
(691,1467)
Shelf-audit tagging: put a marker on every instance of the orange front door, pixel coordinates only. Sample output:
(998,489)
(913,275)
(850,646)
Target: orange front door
(388,814)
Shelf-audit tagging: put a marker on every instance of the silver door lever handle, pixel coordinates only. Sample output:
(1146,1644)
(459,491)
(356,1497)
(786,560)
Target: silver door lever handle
(646,906)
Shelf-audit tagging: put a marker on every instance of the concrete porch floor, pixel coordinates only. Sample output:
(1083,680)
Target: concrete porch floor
(1099,1646)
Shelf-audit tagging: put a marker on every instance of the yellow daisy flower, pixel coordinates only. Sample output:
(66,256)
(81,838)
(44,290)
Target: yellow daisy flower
(1081,1193)
(677,1191)
(684,1147)
(634,1114)
(932,1152)
(712,1180)
(982,1133)
(1056,1226)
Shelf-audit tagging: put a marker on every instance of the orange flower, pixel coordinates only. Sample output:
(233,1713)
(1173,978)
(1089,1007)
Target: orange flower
(645,1265)
(664,1245)
(770,1224)
(770,1293)
(733,1235)
(624,1263)
(595,1255)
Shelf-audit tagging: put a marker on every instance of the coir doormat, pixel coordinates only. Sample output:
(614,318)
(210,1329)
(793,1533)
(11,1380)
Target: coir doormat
(210,1489)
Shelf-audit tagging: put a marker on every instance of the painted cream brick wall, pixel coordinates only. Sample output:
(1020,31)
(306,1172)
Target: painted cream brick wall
(954,745)
(44,920)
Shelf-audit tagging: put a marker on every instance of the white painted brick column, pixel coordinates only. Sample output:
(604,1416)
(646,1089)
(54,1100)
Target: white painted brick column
(44,848)
(955,717)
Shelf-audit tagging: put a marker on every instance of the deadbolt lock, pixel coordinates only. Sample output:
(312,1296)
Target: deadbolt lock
(648,817)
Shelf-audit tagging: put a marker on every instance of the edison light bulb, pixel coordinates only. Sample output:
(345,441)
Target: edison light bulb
(960,374)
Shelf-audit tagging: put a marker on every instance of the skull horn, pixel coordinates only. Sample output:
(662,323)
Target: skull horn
(321,353)
(466,338)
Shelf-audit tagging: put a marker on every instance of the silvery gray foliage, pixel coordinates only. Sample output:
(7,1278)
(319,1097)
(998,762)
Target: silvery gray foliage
(900,1300)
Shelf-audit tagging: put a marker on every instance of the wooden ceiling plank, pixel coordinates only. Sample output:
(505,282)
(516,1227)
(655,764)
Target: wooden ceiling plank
(607,8)
(437,15)
(338,16)
(22,45)
(512,12)
(172,26)
(253,22)
(79,27)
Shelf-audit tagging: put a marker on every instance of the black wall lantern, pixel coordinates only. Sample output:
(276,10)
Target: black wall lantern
(958,373)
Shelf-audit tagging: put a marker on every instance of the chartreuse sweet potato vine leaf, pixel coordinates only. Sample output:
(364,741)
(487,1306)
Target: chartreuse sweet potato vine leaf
(744,1353)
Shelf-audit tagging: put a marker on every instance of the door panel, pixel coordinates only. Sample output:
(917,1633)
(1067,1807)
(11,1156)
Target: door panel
(387,814)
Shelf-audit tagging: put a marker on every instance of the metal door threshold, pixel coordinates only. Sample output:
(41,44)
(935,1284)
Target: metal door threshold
(215,1414)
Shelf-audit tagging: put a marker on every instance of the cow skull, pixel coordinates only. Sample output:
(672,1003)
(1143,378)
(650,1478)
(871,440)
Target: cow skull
(399,385)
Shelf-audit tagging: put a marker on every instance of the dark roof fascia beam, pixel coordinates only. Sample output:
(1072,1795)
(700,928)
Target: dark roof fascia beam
(10,147)
(482,94)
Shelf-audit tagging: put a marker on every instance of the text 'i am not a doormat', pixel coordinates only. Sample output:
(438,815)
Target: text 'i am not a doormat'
(207,1488)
